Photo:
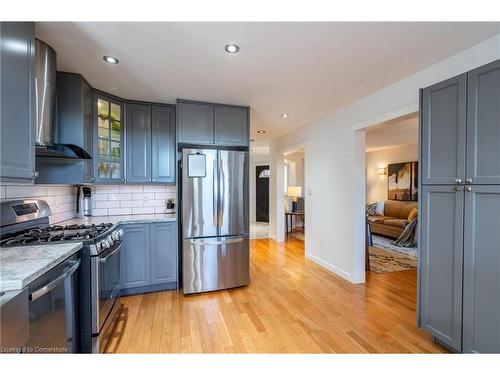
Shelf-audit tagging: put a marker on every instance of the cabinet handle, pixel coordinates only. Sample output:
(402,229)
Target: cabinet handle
(468,188)
(469,180)
(458,180)
(458,188)
(123,180)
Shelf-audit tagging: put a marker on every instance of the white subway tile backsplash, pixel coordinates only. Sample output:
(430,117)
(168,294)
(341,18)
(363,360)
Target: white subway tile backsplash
(131,189)
(155,189)
(119,211)
(132,199)
(143,196)
(143,210)
(131,203)
(107,204)
(60,198)
(120,197)
(99,212)
(155,203)
(107,199)
(100,197)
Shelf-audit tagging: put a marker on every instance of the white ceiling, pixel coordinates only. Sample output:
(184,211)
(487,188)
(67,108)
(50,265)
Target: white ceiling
(398,132)
(305,69)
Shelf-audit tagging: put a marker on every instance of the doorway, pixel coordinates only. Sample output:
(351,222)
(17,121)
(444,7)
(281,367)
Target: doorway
(262,193)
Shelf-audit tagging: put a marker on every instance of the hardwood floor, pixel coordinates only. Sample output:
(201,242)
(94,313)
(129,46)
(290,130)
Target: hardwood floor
(291,306)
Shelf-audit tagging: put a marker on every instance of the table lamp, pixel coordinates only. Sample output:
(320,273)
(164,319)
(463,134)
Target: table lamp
(294,192)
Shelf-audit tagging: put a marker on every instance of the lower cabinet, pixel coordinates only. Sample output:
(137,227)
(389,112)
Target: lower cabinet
(135,256)
(149,257)
(482,270)
(460,266)
(441,244)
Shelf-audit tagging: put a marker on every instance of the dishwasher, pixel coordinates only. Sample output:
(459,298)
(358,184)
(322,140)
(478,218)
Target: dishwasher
(53,309)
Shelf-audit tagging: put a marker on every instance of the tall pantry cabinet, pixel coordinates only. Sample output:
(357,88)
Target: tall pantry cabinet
(459,273)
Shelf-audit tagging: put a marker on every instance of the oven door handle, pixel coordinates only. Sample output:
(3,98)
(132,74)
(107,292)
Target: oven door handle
(103,260)
(54,283)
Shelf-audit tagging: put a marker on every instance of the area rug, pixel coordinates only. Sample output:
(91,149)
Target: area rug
(382,260)
(387,244)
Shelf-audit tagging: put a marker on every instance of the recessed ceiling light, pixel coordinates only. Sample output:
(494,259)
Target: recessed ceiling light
(261,131)
(285,115)
(232,48)
(110,59)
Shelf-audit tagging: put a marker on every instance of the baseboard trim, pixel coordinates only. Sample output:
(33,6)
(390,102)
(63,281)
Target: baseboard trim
(337,271)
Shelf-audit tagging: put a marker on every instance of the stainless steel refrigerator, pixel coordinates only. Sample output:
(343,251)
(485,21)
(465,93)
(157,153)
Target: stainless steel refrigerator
(215,249)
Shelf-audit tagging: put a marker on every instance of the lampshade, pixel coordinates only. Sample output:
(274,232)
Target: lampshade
(294,191)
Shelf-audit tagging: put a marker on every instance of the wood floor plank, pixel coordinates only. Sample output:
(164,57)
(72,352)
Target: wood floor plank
(291,306)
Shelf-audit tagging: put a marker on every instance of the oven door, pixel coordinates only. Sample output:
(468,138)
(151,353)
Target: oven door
(105,285)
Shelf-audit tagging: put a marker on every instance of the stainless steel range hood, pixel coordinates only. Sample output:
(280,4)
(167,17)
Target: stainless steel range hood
(45,102)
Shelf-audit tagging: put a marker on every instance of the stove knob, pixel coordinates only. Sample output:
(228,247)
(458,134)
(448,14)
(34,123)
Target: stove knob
(115,236)
(120,231)
(110,240)
(104,244)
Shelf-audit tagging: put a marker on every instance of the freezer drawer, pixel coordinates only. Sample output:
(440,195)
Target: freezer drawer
(215,263)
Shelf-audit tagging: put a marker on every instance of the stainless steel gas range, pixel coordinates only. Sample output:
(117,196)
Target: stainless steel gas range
(26,222)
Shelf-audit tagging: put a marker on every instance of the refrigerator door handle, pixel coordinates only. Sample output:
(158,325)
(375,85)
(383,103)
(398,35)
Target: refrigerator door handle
(222,193)
(215,215)
(215,241)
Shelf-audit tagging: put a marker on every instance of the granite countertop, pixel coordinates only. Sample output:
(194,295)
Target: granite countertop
(121,219)
(21,265)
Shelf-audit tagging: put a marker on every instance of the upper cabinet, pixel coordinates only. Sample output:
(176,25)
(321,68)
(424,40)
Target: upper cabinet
(212,124)
(150,143)
(74,115)
(483,124)
(108,135)
(163,144)
(17,103)
(443,120)
(138,139)
(231,126)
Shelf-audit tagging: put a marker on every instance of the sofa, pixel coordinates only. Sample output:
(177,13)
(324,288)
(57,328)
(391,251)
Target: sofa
(393,220)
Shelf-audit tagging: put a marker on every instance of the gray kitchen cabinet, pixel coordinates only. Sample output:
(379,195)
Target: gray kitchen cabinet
(74,115)
(163,253)
(482,270)
(195,123)
(212,124)
(135,256)
(163,144)
(483,124)
(138,141)
(231,126)
(17,101)
(443,131)
(441,261)
(108,138)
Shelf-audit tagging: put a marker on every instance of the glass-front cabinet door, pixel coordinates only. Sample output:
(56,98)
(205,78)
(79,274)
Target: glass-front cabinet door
(108,155)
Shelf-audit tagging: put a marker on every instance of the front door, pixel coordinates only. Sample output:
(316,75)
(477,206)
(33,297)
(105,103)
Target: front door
(262,193)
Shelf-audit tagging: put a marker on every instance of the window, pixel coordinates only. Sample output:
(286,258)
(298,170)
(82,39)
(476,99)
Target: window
(265,173)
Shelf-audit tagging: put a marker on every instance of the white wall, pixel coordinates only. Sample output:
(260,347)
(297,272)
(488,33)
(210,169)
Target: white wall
(255,160)
(335,163)
(376,185)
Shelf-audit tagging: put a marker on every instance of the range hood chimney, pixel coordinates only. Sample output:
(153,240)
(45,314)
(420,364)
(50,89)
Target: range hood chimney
(45,101)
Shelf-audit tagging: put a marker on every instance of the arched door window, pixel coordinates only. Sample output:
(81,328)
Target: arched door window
(264,173)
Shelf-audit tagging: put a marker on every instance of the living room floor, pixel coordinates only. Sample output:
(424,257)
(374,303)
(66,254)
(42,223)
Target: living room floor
(291,306)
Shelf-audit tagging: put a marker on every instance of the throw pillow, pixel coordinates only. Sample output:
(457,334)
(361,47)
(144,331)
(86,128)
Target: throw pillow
(379,210)
(370,208)
(413,214)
